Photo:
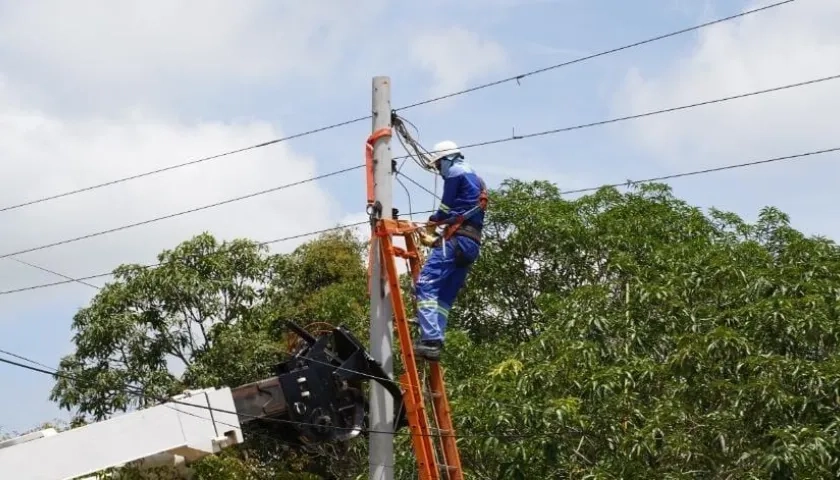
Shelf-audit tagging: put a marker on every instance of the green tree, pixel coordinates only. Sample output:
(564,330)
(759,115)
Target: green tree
(632,336)
(206,304)
(617,335)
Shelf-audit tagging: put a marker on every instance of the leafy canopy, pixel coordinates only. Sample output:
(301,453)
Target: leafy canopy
(614,335)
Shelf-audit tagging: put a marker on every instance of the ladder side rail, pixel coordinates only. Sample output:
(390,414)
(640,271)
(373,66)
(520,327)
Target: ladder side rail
(418,422)
(440,402)
(443,414)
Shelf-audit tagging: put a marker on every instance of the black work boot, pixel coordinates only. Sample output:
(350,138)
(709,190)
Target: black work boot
(428,349)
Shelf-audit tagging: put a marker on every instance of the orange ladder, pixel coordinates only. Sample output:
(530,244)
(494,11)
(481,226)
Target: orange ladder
(422,434)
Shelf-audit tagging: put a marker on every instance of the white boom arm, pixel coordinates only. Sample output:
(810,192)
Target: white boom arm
(315,396)
(171,432)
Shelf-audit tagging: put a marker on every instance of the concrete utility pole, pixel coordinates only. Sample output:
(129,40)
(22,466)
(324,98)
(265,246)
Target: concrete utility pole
(381,314)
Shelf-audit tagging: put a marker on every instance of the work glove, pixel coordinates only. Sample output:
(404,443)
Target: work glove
(428,235)
(426,239)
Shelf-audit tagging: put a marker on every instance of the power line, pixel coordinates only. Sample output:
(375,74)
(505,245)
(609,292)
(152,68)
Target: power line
(25,359)
(490,142)
(472,145)
(180,165)
(642,115)
(53,272)
(177,214)
(131,389)
(516,78)
(399,173)
(155,265)
(705,171)
(484,143)
(682,174)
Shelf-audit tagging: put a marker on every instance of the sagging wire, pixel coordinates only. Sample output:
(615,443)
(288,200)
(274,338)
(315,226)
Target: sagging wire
(416,151)
(408,196)
(419,154)
(163,400)
(419,185)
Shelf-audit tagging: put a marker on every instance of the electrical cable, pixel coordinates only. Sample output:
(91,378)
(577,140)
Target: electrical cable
(25,359)
(516,78)
(414,145)
(580,190)
(178,214)
(415,182)
(180,165)
(155,265)
(643,115)
(472,145)
(519,77)
(131,389)
(44,269)
(706,170)
(408,197)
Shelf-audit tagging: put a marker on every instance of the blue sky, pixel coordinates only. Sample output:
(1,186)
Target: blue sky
(91,93)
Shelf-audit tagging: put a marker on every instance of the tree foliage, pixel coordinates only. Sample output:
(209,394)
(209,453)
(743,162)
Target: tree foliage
(617,335)
(648,340)
(213,311)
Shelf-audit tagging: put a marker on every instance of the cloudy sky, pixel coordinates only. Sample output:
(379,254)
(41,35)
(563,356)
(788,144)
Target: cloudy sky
(91,91)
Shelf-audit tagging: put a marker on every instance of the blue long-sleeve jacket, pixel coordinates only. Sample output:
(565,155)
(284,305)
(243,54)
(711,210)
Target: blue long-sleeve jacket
(461,190)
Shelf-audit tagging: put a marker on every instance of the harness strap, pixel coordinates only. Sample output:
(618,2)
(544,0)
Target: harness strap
(457,225)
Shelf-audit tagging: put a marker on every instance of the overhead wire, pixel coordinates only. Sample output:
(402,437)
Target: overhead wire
(156,265)
(706,170)
(690,173)
(416,147)
(139,391)
(471,145)
(408,197)
(579,190)
(178,214)
(517,78)
(651,113)
(519,435)
(419,185)
(181,165)
(414,150)
(53,272)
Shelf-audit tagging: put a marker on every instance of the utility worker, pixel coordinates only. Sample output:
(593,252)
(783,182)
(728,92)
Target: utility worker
(454,252)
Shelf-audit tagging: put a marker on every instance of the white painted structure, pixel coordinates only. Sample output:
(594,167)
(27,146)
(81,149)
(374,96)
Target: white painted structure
(187,428)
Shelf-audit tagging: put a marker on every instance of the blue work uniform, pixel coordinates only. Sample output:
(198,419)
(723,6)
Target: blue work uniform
(443,275)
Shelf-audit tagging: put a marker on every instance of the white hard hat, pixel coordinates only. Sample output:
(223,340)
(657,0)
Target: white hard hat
(442,149)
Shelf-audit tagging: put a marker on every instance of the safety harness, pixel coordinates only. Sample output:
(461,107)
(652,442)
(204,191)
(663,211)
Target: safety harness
(459,228)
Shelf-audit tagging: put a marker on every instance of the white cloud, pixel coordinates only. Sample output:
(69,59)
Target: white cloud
(113,51)
(455,56)
(789,44)
(132,66)
(52,155)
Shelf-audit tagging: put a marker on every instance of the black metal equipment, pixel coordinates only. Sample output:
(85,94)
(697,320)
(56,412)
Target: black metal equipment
(317,395)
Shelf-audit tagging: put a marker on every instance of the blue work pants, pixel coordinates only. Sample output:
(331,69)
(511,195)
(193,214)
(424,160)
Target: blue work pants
(439,283)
